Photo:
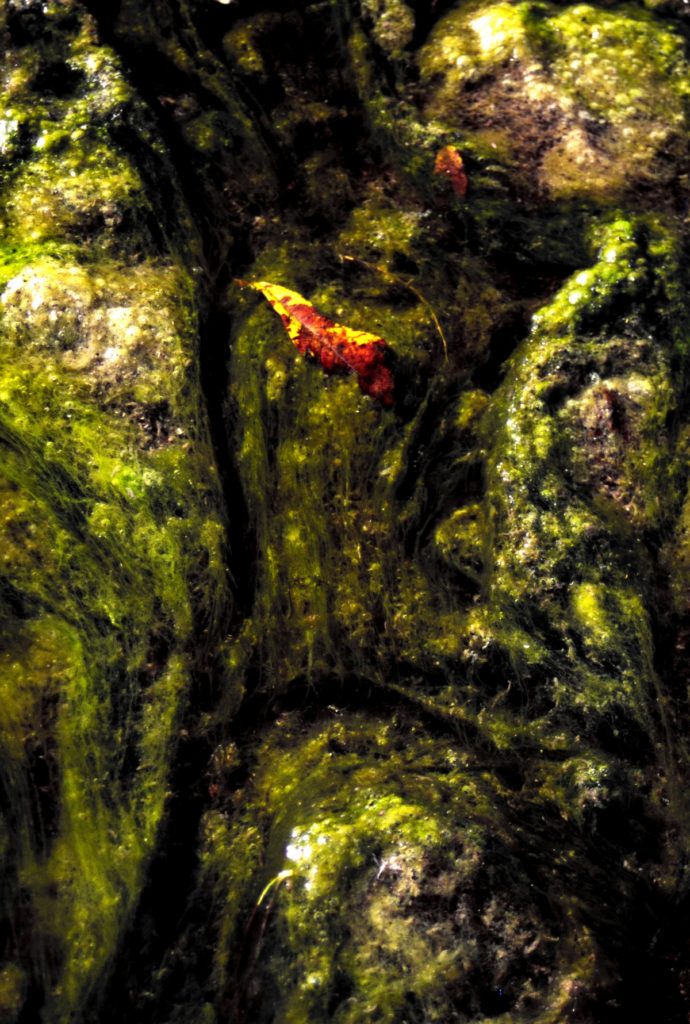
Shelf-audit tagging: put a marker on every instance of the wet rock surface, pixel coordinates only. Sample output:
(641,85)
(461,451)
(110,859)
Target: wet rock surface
(314,709)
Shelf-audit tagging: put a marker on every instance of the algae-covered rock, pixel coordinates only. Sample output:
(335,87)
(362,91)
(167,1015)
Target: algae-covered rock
(390,885)
(392,24)
(587,102)
(112,524)
(431,764)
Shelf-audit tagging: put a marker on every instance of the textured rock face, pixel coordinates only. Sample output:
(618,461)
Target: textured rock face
(590,100)
(112,528)
(429,764)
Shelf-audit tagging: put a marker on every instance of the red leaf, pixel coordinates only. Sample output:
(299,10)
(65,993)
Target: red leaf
(449,163)
(339,349)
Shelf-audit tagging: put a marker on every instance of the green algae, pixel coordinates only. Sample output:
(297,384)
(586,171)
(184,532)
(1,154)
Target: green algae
(392,24)
(40,210)
(11,991)
(585,120)
(544,646)
(480,556)
(551,532)
(460,539)
(395,824)
(322,550)
(107,474)
(224,137)
(239,45)
(296,542)
(526,545)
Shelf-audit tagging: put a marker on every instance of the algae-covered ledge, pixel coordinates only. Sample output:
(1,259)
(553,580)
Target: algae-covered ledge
(315,708)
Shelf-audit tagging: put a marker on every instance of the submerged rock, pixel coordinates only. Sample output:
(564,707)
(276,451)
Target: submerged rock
(583,101)
(112,521)
(430,764)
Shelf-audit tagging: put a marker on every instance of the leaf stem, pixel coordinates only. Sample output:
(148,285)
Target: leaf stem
(394,279)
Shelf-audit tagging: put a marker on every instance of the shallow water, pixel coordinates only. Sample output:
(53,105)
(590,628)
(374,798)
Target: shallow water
(344,643)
